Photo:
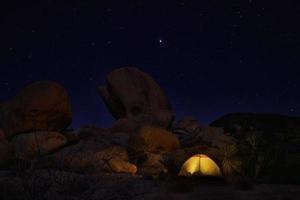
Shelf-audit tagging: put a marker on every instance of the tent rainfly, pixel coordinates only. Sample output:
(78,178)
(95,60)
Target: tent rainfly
(200,165)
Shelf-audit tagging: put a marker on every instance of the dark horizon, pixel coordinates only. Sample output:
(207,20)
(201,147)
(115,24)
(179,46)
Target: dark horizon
(211,58)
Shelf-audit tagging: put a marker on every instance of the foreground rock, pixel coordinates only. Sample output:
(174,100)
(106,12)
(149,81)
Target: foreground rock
(131,93)
(31,145)
(192,133)
(90,156)
(115,159)
(42,105)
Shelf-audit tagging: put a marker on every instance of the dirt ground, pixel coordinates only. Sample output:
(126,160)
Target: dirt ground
(48,185)
(260,192)
(214,190)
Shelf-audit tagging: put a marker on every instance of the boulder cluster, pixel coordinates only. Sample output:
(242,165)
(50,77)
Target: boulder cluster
(144,139)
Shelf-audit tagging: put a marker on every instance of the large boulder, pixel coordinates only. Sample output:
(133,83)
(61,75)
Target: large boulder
(43,105)
(114,159)
(131,93)
(154,139)
(31,145)
(192,133)
(120,166)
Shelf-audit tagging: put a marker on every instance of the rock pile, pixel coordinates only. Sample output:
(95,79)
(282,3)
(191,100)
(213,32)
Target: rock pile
(31,122)
(142,140)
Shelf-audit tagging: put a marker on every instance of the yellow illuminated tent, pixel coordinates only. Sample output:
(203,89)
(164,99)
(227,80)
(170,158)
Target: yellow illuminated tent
(200,165)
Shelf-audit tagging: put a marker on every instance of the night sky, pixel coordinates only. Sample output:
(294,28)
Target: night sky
(211,57)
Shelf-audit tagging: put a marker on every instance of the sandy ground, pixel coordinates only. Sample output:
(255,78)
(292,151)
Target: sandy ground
(125,187)
(260,192)
(211,190)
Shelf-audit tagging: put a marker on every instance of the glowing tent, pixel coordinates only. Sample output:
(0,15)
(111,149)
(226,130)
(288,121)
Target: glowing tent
(200,165)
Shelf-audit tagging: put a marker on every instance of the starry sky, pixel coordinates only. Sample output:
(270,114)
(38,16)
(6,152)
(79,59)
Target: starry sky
(211,57)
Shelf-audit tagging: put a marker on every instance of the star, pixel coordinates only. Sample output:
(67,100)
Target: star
(235,26)
(29,56)
(181,75)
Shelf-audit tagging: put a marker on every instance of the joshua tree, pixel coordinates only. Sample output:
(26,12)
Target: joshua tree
(251,156)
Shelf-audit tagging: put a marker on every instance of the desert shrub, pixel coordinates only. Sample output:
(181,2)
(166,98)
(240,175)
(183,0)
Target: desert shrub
(231,164)
(269,157)
(250,152)
(280,160)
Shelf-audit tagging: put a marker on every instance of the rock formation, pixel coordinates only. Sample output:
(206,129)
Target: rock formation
(191,133)
(43,105)
(131,93)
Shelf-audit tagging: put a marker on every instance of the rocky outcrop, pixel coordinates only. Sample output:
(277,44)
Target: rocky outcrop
(31,145)
(131,93)
(237,123)
(153,139)
(192,133)
(42,105)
